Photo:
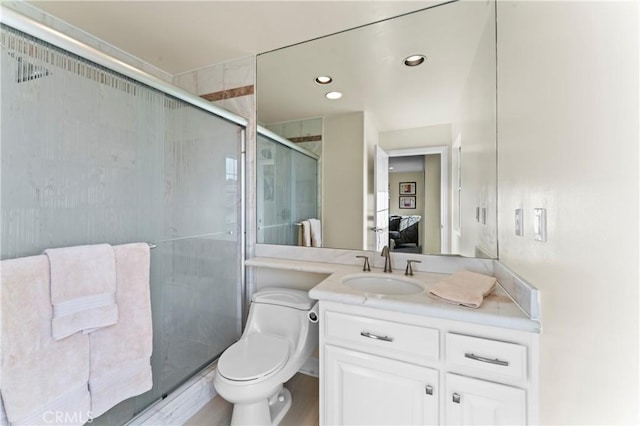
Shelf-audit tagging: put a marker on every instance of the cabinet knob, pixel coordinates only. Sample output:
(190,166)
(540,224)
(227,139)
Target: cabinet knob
(428,390)
(456,398)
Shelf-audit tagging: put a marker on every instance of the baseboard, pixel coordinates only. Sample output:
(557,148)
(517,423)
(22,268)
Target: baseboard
(180,405)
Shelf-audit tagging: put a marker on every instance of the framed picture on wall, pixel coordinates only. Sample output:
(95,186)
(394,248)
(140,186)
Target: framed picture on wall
(407,188)
(407,202)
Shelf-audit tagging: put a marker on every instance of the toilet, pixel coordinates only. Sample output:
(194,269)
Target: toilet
(277,340)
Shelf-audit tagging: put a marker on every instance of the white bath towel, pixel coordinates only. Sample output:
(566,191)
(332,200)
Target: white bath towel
(305,234)
(464,288)
(83,288)
(41,378)
(120,354)
(316,233)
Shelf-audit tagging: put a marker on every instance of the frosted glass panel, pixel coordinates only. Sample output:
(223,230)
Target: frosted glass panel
(89,156)
(287,191)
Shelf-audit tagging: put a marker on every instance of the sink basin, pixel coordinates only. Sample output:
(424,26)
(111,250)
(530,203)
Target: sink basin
(380,284)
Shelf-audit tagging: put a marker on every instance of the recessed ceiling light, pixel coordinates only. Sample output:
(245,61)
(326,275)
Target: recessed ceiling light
(323,79)
(333,95)
(414,60)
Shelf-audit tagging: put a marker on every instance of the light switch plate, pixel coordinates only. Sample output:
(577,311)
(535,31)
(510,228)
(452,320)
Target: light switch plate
(519,222)
(540,224)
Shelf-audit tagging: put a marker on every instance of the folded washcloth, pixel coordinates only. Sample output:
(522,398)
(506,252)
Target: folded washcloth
(120,354)
(316,233)
(83,288)
(304,237)
(40,376)
(464,288)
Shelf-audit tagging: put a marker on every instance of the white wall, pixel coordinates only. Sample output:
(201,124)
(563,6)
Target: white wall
(371,138)
(420,137)
(475,125)
(568,142)
(343,183)
(394,194)
(430,226)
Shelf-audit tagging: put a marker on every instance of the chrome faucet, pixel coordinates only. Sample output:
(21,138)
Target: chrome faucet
(366,267)
(387,258)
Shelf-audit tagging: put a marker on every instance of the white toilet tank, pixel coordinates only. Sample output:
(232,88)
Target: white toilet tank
(280,311)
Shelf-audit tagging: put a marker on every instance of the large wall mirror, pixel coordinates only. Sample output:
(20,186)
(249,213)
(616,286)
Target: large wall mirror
(396,150)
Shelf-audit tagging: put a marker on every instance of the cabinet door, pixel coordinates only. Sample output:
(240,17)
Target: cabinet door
(479,402)
(364,389)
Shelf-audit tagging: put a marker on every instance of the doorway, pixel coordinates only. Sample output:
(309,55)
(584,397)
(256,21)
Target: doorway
(418,200)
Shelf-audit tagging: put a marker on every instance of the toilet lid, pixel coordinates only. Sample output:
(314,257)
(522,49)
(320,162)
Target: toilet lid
(296,299)
(253,356)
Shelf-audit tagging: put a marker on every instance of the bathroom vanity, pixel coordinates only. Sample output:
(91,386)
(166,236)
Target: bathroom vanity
(385,367)
(410,359)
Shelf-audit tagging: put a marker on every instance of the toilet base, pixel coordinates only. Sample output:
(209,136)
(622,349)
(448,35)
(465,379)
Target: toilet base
(265,412)
(280,406)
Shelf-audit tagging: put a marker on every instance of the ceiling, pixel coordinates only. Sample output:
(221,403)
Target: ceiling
(366,65)
(181,36)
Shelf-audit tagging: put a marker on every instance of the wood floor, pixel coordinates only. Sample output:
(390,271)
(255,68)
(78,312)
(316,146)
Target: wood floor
(303,411)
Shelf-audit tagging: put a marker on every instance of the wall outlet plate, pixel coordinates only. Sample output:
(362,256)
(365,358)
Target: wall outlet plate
(540,224)
(519,222)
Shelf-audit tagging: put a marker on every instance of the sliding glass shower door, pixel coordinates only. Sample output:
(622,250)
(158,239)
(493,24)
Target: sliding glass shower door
(91,156)
(287,189)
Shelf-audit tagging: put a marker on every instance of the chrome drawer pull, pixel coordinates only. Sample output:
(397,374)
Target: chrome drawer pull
(488,360)
(376,337)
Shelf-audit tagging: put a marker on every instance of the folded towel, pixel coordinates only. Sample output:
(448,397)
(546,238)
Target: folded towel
(120,354)
(41,377)
(316,233)
(464,288)
(83,288)
(305,234)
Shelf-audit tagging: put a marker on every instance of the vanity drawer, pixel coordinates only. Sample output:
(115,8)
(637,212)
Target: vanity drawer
(405,341)
(487,356)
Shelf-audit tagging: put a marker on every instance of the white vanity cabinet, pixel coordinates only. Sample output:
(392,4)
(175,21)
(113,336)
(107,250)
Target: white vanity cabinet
(380,367)
(371,390)
(471,401)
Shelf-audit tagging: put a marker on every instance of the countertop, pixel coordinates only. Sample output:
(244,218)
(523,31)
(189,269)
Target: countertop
(498,309)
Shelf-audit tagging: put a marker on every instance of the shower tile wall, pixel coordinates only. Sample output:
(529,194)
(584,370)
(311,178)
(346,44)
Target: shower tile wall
(220,77)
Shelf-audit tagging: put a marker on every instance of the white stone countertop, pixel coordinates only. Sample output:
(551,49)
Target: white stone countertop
(498,309)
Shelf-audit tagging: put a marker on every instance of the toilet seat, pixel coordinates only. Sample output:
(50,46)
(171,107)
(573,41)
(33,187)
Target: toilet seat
(253,356)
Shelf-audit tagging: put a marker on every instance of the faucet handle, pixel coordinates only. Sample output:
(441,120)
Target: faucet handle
(409,269)
(365,267)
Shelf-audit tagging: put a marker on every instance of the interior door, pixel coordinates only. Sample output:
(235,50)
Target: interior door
(381,199)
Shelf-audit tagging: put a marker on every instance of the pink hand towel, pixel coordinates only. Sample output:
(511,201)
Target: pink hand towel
(316,233)
(464,288)
(120,354)
(305,234)
(41,377)
(83,288)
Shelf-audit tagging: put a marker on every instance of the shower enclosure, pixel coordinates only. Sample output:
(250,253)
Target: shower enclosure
(287,188)
(89,155)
